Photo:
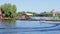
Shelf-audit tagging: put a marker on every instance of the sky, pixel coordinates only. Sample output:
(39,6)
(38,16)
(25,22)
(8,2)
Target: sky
(34,5)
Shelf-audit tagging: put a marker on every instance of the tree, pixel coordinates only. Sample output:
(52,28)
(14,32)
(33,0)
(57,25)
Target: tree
(49,14)
(8,10)
(59,15)
(43,12)
(52,11)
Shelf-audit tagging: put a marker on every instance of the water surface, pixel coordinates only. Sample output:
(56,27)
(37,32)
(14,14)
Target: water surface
(28,27)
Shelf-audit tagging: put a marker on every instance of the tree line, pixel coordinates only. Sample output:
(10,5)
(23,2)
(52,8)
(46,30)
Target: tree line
(10,11)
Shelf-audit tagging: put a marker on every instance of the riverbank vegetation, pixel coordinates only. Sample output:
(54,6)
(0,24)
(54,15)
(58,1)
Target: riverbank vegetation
(10,11)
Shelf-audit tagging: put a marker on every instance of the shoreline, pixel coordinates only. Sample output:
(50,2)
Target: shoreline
(27,19)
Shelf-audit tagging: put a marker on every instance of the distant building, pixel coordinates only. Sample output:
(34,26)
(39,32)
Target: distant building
(44,15)
(55,16)
(29,14)
(48,17)
(24,16)
(54,13)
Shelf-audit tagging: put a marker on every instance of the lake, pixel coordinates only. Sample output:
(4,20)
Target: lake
(28,27)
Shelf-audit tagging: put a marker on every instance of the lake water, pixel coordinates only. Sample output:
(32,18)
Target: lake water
(28,27)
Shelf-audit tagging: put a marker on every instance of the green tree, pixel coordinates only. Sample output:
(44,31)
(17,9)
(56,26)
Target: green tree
(43,12)
(59,15)
(52,11)
(8,10)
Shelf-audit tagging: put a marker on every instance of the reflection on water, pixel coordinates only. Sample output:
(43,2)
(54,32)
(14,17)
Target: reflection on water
(0,21)
(9,23)
(27,27)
